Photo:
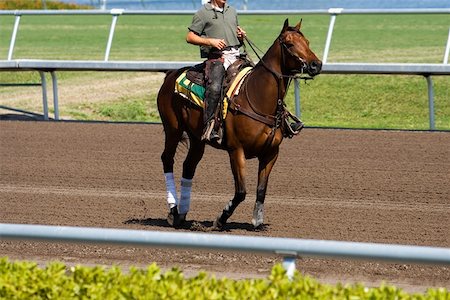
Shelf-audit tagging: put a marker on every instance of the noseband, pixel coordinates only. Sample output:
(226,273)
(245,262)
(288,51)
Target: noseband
(301,61)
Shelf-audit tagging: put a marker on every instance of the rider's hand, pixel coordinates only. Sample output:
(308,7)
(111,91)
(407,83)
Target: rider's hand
(217,43)
(241,33)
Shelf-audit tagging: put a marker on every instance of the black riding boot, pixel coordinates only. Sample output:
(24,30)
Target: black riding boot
(214,73)
(297,126)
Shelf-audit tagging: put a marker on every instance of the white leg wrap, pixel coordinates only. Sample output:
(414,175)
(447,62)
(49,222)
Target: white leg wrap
(171,188)
(185,197)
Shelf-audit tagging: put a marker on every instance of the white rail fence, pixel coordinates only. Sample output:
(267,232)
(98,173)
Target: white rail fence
(51,66)
(426,70)
(115,13)
(288,248)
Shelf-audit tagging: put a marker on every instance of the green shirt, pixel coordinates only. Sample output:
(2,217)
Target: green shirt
(210,23)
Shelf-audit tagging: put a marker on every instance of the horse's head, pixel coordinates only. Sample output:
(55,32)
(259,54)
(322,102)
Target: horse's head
(297,56)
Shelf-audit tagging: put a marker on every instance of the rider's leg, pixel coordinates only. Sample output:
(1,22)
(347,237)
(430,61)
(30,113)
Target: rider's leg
(215,73)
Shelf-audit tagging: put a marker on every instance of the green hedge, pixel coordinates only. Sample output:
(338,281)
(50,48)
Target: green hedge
(26,280)
(38,4)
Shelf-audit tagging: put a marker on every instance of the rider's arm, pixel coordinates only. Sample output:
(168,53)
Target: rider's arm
(195,39)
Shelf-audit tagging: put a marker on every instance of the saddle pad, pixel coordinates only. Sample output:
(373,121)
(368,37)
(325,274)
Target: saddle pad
(190,90)
(196,93)
(237,82)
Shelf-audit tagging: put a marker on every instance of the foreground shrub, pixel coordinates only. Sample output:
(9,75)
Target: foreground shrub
(38,4)
(26,280)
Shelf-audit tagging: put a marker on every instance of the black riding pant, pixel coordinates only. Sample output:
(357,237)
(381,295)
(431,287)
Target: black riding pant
(214,76)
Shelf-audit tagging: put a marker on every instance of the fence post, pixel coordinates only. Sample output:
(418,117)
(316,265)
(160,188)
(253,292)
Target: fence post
(447,48)
(44,94)
(333,13)
(289,266)
(115,14)
(14,34)
(55,94)
(245,4)
(103,4)
(298,111)
(430,101)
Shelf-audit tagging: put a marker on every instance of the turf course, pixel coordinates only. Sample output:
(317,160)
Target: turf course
(398,102)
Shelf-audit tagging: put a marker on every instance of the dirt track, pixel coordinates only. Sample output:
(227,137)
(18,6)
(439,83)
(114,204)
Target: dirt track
(367,186)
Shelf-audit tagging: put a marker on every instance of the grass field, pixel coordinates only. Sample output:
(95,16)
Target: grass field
(330,100)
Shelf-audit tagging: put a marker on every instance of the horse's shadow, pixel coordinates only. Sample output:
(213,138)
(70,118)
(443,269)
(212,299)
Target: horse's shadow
(193,225)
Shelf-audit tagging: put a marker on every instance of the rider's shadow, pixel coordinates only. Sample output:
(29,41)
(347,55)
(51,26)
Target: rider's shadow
(201,226)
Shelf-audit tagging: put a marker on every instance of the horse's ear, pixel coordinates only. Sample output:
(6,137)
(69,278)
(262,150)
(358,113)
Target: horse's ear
(285,26)
(299,25)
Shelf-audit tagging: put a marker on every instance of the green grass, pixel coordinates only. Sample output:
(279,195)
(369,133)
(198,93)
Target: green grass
(330,100)
(396,102)
(133,110)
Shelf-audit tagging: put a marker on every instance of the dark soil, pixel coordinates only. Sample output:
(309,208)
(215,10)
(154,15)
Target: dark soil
(348,185)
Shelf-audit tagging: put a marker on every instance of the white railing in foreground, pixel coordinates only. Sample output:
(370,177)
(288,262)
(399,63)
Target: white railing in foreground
(287,247)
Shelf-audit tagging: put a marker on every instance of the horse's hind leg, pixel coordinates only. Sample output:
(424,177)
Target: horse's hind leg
(179,208)
(172,138)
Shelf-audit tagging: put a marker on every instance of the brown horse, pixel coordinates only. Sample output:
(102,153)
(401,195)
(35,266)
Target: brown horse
(254,127)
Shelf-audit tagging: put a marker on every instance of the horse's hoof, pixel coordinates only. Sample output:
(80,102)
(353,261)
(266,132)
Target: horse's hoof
(171,217)
(257,223)
(174,218)
(180,221)
(217,224)
(258,215)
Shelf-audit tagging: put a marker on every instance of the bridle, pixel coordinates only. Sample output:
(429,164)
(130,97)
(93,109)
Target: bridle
(295,74)
(301,61)
(282,114)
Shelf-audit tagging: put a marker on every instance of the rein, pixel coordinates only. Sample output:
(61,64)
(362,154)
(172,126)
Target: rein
(274,121)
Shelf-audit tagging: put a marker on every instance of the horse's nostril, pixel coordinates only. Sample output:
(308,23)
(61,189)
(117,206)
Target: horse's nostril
(315,66)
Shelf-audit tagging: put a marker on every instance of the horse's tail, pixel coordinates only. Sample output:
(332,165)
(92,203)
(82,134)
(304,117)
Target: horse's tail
(185,139)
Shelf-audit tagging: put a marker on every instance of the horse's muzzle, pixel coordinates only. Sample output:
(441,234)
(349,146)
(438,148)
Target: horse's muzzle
(314,67)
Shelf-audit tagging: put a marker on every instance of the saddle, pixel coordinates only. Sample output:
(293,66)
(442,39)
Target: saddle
(191,83)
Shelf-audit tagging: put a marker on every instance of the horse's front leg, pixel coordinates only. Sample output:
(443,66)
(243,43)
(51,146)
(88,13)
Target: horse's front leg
(237,161)
(265,167)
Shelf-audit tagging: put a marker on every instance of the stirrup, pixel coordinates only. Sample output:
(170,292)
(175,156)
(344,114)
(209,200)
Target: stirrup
(292,129)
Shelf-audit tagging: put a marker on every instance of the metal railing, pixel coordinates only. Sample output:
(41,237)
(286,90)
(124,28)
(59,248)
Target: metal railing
(42,66)
(288,248)
(115,13)
(426,70)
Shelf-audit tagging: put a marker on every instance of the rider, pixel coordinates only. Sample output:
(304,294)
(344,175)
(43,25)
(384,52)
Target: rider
(216,30)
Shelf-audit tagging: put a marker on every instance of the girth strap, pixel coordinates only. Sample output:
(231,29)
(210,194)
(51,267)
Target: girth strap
(266,119)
